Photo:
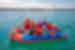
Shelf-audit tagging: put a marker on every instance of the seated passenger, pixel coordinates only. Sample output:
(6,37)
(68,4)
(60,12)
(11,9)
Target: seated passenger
(27,24)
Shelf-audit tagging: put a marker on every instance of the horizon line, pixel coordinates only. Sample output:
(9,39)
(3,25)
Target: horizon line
(35,9)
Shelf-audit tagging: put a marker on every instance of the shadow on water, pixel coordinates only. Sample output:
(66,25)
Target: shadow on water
(43,45)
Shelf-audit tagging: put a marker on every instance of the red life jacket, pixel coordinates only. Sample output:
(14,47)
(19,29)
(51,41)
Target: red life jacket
(52,27)
(19,31)
(39,31)
(17,37)
(27,26)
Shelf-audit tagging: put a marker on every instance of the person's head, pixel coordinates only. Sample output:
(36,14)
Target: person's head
(18,30)
(27,20)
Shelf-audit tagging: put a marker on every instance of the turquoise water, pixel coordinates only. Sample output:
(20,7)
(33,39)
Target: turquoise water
(63,19)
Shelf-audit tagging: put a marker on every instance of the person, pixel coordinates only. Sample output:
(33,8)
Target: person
(52,28)
(39,30)
(27,24)
(17,35)
(18,30)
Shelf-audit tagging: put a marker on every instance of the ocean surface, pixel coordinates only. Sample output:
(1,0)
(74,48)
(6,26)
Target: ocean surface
(63,19)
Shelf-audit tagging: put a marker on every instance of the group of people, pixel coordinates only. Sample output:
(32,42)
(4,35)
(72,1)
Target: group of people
(36,30)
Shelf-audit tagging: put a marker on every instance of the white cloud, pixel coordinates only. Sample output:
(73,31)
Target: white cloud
(32,4)
(7,1)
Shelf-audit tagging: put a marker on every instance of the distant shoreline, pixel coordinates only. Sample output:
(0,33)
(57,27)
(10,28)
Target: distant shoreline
(35,9)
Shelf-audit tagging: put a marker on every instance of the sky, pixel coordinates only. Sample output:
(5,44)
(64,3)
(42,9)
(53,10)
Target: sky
(37,3)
